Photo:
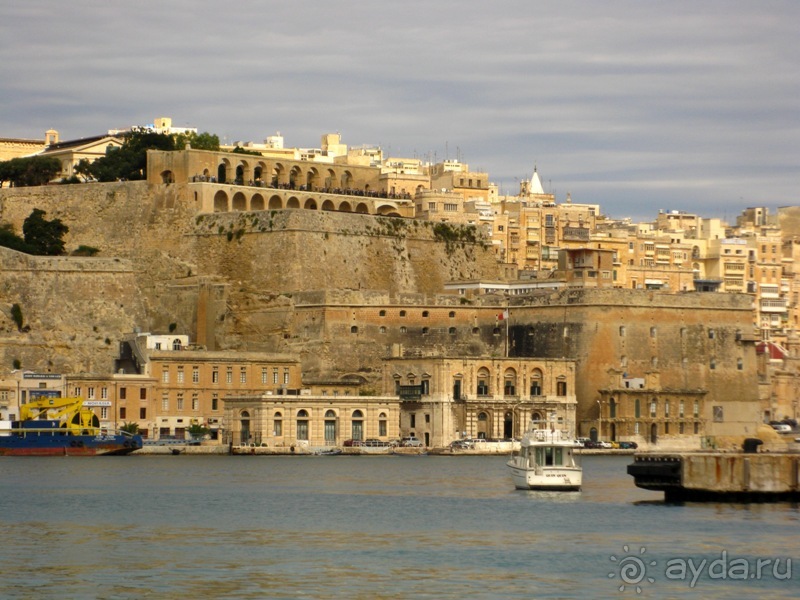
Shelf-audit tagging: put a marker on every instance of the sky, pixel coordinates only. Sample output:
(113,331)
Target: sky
(637,106)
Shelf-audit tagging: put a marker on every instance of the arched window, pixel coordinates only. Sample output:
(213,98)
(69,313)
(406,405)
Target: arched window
(536,383)
(382,429)
(451,331)
(176,344)
(244,419)
(354,329)
(382,329)
(483,381)
(277,425)
(483,425)
(302,425)
(330,427)
(425,314)
(510,382)
(452,314)
(357,426)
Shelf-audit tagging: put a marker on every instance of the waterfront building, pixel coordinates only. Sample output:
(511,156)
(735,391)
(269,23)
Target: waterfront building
(448,398)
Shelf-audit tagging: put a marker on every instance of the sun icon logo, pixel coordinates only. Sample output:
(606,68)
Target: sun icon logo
(632,570)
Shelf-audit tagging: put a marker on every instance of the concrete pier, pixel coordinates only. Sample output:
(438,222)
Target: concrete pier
(719,476)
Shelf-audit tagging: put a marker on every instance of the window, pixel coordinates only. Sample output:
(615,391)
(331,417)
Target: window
(452,314)
(711,334)
(653,332)
(123,392)
(718,414)
(612,409)
(195,402)
(653,407)
(104,393)
(264,376)
(637,409)
(275,375)
(680,409)
(277,425)
(176,344)
(696,427)
(403,329)
(90,392)
(712,364)
(104,412)
(229,375)
(180,402)
(215,375)
(142,413)
(451,330)
(425,330)
(180,374)
(243,375)
(666,408)
(195,374)
(354,329)
(739,364)
(382,425)
(382,313)
(382,329)
(696,410)
(413,422)
(214,402)
(302,425)
(425,314)
(402,313)
(357,426)
(165,402)
(122,412)
(142,393)
(622,331)
(561,388)
(286,376)
(165,375)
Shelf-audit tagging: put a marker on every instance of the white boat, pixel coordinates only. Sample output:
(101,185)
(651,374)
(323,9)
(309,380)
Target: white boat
(546,461)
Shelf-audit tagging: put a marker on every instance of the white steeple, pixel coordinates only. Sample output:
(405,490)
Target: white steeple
(536,183)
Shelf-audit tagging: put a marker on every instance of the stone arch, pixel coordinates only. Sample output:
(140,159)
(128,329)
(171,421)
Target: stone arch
(239,202)
(310,204)
(330,179)
(346,180)
(221,201)
(278,175)
(484,425)
(240,173)
(483,382)
(167,177)
(328,205)
(362,208)
(312,179)
(257,202)
(345,207)
(275,203)
(295,175)
(293,202)
(259,172)
(223,170)
(386,209)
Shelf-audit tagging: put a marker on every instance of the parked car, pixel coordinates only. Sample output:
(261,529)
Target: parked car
(411,442)
(781,427)
(591,444)
(628,445)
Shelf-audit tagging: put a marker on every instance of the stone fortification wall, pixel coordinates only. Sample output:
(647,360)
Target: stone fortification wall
(302,250)
(229,277)
(682,341)
(72,309)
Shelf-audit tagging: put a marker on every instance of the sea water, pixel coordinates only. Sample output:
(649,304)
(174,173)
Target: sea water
(372,527)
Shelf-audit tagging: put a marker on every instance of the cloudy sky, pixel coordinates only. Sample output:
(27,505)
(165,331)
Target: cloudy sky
(633,105)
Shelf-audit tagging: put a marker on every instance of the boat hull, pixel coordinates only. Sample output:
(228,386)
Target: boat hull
(557,479)
(68,445)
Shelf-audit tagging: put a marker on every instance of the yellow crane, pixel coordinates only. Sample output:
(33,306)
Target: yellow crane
(74,417)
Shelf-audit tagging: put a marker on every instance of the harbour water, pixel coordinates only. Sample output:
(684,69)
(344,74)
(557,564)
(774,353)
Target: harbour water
(372,527)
